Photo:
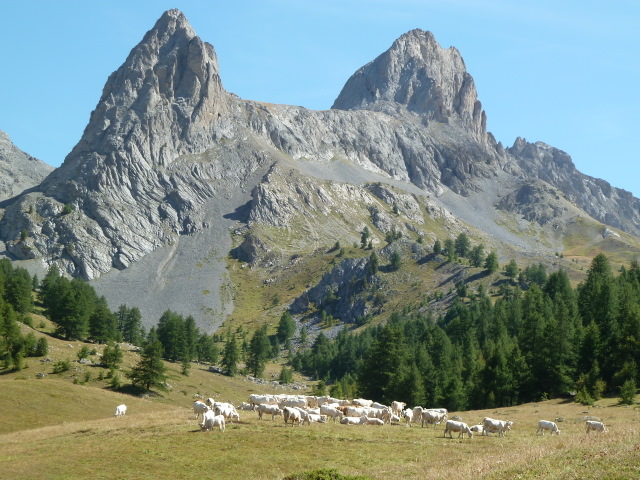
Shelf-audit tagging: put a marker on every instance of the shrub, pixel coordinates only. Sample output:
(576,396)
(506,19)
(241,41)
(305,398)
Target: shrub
(628,392)
(324,474)
(62,366)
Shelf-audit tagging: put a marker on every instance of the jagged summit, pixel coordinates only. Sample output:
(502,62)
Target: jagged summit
(162,102)
(421,76)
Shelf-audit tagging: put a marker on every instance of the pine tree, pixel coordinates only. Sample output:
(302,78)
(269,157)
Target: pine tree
(462,245)
(364,237)
(231,355)
(150,371)
(491,262)
(286,326)
(103,324)
(112,356)
(259,352)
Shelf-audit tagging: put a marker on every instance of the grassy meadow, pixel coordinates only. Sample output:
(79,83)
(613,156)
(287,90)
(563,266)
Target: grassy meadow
(54,429)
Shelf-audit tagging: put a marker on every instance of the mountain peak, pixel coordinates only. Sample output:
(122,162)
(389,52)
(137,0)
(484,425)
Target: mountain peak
(417,74)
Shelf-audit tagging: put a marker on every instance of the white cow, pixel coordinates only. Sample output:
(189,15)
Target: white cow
(417,413)
(408,416)
(501,427)
(246,407)
(331,412)
(228,411)
(293,402)
(546,425)
(199,408)
(460,427)
(292,415)
(394,418)
(375,421)
(477,429)
(595,426)
(272,410)
(120,410)
(210,401)
(255,399)
(210,421)
(315,418)
(354,420)
(397,407)
(361,402)
(356,411)
(432,417)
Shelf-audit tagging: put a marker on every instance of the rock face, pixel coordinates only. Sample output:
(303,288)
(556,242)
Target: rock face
(418,75)
(610,205)
(170,161)
(18,170)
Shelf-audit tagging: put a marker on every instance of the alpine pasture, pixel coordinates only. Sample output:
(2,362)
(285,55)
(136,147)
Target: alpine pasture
(53,428)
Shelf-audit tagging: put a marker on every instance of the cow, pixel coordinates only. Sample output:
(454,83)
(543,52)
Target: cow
(255,399)
(408,416)
(293,402)
(477,429)
(375,421)
(394,418)
(354,420)
(121,410)
(397,407)
(455,426)
(199,408)
(595,426)
(272,410)
(417,413)
(331,412)
(361,402)
(211,402)
(315,418)
(246,407)
(356,411)
(227,410)
(211,421)
(546,425)
(501,427)
(292,415)
(432,417)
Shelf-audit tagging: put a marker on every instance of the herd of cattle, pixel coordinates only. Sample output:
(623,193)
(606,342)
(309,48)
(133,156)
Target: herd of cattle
(300,409)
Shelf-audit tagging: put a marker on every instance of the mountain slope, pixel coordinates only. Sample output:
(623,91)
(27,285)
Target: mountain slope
(18,170)
(171,163)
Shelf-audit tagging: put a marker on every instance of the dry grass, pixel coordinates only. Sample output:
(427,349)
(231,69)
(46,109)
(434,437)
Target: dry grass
(63,431)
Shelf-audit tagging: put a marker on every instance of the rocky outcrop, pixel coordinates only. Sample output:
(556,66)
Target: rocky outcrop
(607,204)
(340,293)
(419,75)
(18,170)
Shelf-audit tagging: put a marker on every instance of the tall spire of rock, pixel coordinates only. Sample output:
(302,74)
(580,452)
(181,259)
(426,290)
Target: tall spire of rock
(419,75)
(162,102)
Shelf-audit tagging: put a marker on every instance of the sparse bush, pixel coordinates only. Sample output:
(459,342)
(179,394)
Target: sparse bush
(62,366)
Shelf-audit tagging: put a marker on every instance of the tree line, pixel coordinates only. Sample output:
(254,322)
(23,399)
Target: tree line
(542,338)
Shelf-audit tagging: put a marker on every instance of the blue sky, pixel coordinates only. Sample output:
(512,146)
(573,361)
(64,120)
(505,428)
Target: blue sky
(563,72)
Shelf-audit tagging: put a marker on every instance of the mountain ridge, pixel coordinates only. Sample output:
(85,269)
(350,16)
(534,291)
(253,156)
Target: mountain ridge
(169,156)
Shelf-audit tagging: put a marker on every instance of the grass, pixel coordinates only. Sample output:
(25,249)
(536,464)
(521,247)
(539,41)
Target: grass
(55,429)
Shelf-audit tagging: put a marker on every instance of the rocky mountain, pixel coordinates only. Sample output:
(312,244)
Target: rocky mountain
(173,172)
(18,170)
